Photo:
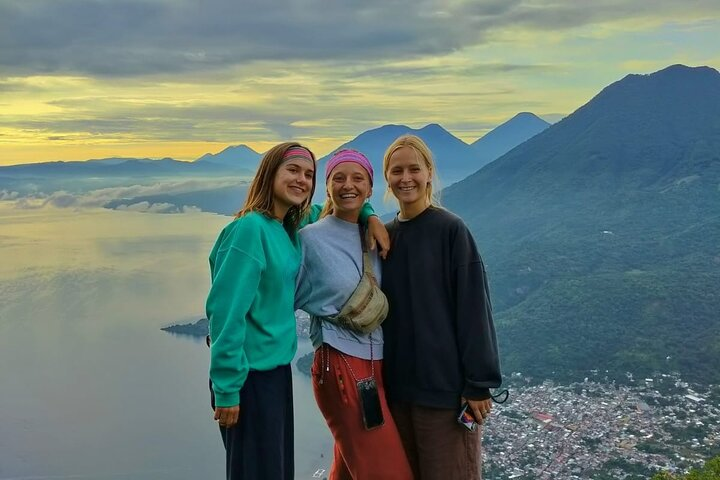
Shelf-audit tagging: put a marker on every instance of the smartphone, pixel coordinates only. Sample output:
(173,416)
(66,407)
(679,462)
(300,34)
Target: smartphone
(372,414)
(466,419)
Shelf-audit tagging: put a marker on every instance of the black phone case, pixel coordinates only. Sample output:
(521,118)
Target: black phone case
(372,414)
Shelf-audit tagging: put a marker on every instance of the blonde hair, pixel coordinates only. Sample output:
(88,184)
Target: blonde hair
(422,152)
(328,207)
(260,196)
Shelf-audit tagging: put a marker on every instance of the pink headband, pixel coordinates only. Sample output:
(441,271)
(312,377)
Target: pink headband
(347,155)
(297,152)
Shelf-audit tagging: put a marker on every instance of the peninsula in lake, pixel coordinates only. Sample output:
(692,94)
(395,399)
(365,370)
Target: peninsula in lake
(197,329)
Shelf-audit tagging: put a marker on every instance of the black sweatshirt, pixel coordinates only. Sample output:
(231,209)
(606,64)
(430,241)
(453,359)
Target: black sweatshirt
(439,334)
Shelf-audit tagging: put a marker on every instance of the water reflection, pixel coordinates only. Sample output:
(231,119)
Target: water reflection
(91,388)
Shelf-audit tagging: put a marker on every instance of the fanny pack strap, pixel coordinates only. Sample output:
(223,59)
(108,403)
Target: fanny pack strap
(367,276)
(352,372)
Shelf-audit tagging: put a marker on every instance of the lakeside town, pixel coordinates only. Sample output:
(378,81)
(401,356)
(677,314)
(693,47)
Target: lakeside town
(601,429)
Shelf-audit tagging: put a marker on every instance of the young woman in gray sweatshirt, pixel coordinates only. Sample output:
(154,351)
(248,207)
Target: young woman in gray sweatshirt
(331,267)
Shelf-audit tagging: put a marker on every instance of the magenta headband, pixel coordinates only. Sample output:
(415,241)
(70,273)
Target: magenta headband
(297,152)
(347,155)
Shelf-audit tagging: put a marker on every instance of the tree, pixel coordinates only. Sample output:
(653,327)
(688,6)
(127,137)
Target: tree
(710,471)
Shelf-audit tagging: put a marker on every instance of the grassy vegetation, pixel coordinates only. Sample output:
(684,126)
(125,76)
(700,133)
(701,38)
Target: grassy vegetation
(710,471)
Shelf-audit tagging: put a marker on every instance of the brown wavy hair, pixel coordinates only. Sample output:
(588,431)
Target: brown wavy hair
(260,196)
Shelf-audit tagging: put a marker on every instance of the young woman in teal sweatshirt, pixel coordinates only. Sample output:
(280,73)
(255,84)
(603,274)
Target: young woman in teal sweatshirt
(252,325)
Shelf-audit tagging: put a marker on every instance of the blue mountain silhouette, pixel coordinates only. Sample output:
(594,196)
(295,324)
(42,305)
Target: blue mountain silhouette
(239,156)
(507,136)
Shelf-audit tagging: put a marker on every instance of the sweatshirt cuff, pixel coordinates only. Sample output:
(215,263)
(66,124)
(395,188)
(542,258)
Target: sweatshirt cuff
(366,212)
(475,393)
(227,399)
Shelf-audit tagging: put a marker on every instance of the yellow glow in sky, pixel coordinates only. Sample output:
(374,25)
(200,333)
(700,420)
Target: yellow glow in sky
(532,63)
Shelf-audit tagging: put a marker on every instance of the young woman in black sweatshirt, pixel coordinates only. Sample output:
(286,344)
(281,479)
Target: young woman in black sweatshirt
(440,346)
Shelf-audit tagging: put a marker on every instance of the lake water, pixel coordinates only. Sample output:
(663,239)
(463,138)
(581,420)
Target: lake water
(90,388)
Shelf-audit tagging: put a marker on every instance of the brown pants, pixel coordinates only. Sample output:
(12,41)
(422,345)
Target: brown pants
(437,447)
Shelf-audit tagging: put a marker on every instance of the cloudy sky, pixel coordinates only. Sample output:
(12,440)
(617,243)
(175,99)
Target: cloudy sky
(84,79)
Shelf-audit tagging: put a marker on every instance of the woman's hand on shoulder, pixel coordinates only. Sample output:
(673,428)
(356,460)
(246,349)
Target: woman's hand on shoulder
(379,236)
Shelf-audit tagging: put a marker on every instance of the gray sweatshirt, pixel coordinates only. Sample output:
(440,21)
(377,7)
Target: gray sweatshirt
(330,270)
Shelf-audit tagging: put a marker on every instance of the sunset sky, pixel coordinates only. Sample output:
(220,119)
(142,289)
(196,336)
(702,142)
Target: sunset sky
(83,79)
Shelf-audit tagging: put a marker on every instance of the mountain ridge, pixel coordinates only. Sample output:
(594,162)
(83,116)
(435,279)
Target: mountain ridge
(600,232)
(508,135)
(238,156)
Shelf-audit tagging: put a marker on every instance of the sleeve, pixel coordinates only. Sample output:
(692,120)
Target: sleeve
(313,215)
(303,285)
(236,273)
(366,212)
(475,329)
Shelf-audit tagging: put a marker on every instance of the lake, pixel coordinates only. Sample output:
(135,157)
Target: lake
(90,387)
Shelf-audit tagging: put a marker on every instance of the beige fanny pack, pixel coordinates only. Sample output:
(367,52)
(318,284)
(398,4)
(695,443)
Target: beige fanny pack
(367,307)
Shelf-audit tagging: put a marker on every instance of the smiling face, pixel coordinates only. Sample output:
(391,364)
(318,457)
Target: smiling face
(348,187)
(292,185)
(408,177)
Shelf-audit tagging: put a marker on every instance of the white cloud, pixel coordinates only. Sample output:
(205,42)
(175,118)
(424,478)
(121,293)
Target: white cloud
(29,203)
(101,197)
(148,207)
(162,208)
(8,195)
(190,209)
(135,207)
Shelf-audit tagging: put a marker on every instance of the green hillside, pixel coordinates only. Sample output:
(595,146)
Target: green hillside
(602,233)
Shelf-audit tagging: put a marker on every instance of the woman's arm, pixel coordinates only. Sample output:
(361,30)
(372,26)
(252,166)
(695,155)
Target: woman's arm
(475,328)
(236,269)
(378,235)
(312,216)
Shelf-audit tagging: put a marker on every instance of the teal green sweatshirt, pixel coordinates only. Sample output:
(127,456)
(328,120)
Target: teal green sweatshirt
(250,305)
(253,267)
